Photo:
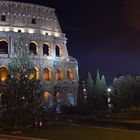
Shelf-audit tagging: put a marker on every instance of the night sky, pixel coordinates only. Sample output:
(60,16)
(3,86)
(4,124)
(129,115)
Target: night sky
(102,34)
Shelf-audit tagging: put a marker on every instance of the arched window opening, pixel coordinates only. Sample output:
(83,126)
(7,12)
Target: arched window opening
(33,21)
(46,95)
(3,18)
(58,96)
(58,51)
(46,50)
(34,73)
(3,47)
(70,74)
(48,99)
(70,99)
(3,73)
(33,48)
(47,75)
(59,74)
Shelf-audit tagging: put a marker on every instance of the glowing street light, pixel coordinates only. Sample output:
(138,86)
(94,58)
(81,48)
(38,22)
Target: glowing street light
(109,90)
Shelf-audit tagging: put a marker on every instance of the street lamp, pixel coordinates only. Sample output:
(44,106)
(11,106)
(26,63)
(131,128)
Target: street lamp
(109,90)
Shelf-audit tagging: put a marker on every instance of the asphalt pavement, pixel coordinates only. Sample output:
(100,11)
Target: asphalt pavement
(8,137)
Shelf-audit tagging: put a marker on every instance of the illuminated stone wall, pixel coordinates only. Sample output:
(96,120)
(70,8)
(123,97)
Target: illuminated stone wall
(39,24)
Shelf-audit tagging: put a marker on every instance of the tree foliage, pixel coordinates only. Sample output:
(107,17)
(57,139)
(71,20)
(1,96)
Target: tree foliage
(100,92)
(89,84)
(90,95)
(22,98)
(126,92)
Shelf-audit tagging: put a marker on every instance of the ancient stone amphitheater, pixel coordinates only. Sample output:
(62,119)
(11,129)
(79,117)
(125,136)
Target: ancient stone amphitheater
(47,49)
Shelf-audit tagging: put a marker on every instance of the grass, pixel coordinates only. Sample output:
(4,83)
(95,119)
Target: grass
(71,132)
(131,121)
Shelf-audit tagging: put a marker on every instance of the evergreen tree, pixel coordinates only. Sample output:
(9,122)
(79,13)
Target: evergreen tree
(22,98)
(98,80)
(103,84)
(124,93)
(104,92)
(90,96)
(89,83)
(100,93)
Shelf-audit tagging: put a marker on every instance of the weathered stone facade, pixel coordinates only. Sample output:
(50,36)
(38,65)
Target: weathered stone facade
(47,47)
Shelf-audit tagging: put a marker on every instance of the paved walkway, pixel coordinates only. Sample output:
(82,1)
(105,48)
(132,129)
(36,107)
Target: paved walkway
(8,137)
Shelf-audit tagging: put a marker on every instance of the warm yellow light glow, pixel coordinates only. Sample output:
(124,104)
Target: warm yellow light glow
(31,76)
(43,32)
(3,78)
(5,41)
(59,74)
(70,74)
(58,94)
(47,75)
(49,57)
(31,31)
(34,73)
(1,28)
(37,72)
(3,73)
(15,29)
(23,30)
(56,34)
(7,29)
(47,43)
(46,95)
(49,33)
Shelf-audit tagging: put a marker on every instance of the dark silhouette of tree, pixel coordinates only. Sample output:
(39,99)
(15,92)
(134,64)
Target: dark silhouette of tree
(100,93)
(123,96)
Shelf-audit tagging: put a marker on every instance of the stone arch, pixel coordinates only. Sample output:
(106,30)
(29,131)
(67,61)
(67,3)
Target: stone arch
(3,73)
(33,48)
(58,51)
(34,73)
(46,49)
(70,99)
(3,47)
(47,74)
(70,74)
(48,98)
(46,95)
(59,74)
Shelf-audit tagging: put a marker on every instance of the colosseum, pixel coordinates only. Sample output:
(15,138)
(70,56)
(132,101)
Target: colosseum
(47,49)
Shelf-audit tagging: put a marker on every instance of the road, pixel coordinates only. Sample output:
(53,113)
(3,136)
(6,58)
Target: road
(7,137)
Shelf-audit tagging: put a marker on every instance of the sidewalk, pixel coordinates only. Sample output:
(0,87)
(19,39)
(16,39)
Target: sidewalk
(8,137)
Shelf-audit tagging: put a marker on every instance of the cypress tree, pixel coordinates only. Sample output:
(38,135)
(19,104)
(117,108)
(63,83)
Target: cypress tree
(89,83)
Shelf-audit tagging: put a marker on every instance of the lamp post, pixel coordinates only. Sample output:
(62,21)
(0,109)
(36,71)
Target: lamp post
(109,90)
